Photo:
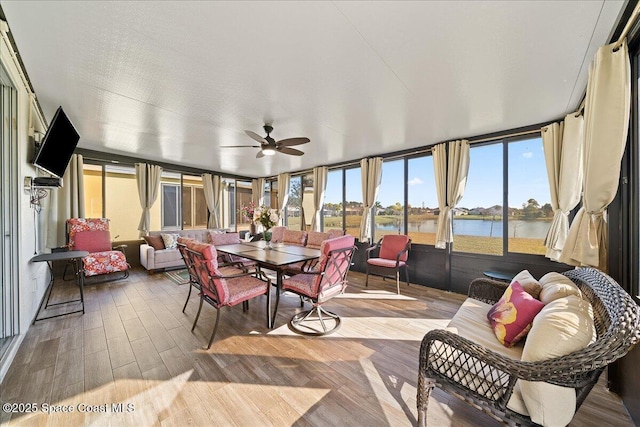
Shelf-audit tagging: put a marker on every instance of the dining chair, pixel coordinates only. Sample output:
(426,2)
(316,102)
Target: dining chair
(327,280)
(392,254)
(219,239)
(224,289)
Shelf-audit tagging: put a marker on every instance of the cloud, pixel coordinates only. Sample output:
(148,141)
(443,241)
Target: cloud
(415,181)
(527,155)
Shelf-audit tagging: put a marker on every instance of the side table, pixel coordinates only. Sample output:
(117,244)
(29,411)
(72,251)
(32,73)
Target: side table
(76,258)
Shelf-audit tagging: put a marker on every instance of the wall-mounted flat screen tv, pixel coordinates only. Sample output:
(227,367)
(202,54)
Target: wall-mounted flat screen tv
(58,145)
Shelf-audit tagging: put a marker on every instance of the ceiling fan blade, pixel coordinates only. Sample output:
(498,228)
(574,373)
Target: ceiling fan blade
(292,151)
(259,155)
(257,137)
(240,146)
(292,141)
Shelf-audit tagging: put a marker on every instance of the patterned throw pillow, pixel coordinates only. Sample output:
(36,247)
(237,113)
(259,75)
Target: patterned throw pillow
(170,240)
(511,317)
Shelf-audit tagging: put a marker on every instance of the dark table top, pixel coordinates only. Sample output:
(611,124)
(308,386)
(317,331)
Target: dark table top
(60,256)
(281,254)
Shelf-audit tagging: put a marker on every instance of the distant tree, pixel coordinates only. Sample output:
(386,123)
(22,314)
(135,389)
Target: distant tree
(531,209)
(295,193)
(547,209)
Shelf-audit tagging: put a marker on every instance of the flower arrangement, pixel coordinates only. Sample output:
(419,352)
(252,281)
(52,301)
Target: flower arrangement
(265,216)
(248,211)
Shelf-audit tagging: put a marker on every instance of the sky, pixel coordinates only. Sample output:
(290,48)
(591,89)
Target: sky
(527,178)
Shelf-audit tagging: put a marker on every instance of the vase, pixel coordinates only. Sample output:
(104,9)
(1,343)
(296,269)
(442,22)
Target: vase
(252,229)
(267,238)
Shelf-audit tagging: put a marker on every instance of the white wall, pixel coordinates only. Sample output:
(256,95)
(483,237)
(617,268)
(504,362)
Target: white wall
(33,277)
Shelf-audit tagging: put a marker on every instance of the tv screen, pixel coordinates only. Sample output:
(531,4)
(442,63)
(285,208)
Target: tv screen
(58,145)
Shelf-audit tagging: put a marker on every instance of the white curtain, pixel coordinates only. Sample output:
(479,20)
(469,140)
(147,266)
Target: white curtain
(148,181)
(371,173)
(66,202)
(319,187)
(212,186)
(563,144)
(456,181)
(607,109)
(283,194)
(257,191)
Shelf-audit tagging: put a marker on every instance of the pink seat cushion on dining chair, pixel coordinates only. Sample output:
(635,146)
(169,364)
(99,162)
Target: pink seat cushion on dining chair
(382,262)
(277,234)
(315,239)
(93,241)
(294,237)
(225,238)
(392,244)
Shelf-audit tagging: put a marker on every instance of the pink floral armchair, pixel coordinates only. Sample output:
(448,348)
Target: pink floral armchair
(92,235)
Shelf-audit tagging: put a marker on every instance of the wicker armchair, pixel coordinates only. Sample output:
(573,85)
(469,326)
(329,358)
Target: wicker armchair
(616,318)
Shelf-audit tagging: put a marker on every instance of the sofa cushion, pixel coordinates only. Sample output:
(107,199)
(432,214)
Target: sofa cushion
(512,315)
(224,238)
(562,326)
(166,256)
(155,242)
(170,240)
(556,285)
(294,237)
(528,283)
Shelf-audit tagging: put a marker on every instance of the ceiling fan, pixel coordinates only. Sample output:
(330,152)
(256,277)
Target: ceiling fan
(268,146)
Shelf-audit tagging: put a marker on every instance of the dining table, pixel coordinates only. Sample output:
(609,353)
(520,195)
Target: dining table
(274,256)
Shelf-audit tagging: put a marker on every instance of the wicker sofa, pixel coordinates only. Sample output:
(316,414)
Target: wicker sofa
(493,379)
(154,260)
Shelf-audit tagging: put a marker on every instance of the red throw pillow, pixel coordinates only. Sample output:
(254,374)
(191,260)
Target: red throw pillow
(155,242)
(511,317)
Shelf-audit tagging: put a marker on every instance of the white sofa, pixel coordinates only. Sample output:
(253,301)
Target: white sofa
(154,260)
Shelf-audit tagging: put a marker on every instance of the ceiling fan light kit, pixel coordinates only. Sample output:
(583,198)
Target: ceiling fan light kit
(269,146)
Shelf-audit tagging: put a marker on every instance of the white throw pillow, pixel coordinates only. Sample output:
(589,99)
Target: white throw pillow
(170,240)
(556,285)
(528,283)
(562,326)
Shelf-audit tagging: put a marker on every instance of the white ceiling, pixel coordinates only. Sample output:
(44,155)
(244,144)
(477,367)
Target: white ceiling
(174,81)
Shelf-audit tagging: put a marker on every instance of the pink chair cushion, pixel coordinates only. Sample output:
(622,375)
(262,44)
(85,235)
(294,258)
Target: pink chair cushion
(76,225)
(225,238)
(392,244)
(294,237)
(93,241)
(387,263)
(315,239)
(104,262)
(335,233)
(277,234)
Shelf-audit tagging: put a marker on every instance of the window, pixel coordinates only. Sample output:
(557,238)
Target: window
(422,201)
(332,208)
(267,194)
(170,206)
(477,220)
(294,205)
(389,207)
(530,212)
(243,198)
(353,205)
(194,205)
(92,175)
(228,203)
(123,213)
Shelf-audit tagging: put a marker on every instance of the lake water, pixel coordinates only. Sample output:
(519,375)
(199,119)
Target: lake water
(479,227)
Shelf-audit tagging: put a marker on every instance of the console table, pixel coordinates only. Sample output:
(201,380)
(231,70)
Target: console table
(76,258)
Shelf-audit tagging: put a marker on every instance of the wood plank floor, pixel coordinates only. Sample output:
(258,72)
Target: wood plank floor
(134,346)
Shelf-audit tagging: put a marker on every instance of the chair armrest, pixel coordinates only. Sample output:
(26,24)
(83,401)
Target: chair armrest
(487,290)
(120,248)
(405,250)
(373,248)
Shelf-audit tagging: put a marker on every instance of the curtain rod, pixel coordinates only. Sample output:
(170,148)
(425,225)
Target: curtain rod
(627,28)
(511,135)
